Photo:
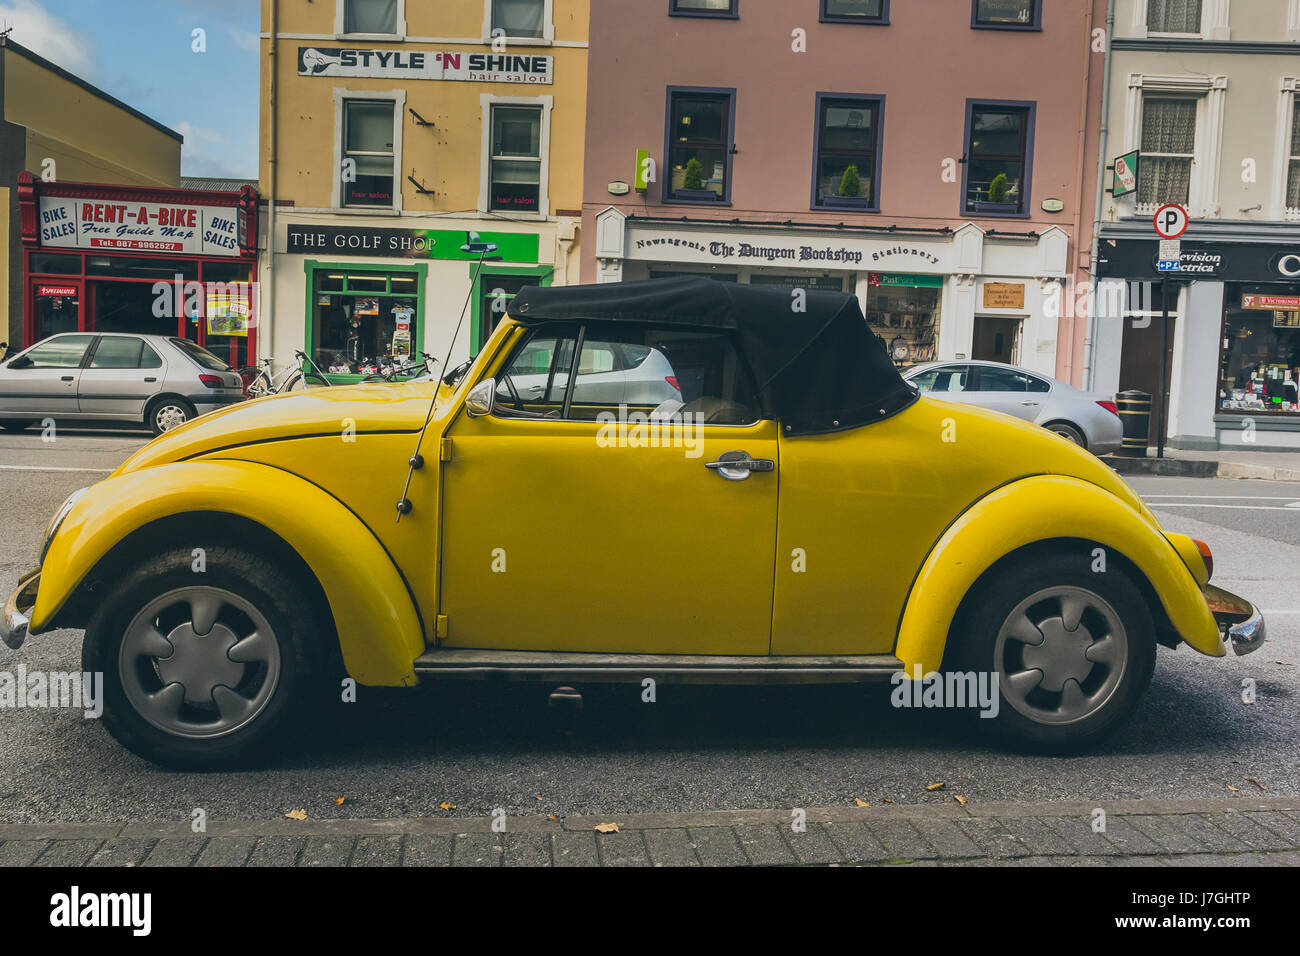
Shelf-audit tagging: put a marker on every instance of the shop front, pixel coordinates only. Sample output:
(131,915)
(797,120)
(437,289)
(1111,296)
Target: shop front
(377,296)
(929,294)
(124,259)
(1233,342)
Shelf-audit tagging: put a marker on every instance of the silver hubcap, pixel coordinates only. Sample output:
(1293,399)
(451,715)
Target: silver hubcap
(1067,435)
(199,662)
(1060,655)
(170,416)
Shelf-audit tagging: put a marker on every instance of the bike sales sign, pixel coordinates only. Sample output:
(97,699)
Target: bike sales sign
(105,226)
(426,65)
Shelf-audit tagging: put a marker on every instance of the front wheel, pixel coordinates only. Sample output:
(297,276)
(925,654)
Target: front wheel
(168,413)
(1072,649)
(201,667)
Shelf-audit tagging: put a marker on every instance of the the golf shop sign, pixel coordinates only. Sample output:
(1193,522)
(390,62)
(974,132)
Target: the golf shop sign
(426,65)
(108,225)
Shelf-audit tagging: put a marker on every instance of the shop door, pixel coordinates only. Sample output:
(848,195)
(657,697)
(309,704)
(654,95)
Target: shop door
(1139,365)
(997,339)
(56,307)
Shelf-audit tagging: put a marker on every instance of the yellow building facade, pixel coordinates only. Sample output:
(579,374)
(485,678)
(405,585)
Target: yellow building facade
(399,141)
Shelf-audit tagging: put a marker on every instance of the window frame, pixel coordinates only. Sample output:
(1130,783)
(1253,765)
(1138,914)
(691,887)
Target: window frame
(1142,14)
(1035,25)
(1288,118)
(548,27)
(728,149)
(881,21)
(341,98)
(1152,154)
(340,24)
(878,101)
(486,102)
(732,14)
(1027,180)
(1211,93)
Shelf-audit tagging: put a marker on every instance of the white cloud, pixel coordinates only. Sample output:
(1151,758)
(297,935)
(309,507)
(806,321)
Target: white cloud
(40,31)
(245,39)
(209,152)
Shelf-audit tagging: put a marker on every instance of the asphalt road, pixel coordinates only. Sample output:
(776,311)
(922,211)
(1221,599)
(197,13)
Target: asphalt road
(484,746)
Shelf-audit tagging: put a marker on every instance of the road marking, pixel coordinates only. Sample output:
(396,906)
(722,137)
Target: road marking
(1175,504)
(1233,497)
(98,471)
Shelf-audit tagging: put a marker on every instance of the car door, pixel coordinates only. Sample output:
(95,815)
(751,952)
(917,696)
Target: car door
(43,380)
(123,373)
(1006,390)
(570,524)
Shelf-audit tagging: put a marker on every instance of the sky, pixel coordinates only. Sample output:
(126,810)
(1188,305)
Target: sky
(141,51)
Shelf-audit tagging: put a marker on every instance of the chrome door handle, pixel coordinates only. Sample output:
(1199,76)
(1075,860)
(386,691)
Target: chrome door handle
(66,378)
(151,378)
(737,465)
(1028,403)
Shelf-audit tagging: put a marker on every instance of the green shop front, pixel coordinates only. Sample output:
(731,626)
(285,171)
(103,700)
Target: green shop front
(379,297)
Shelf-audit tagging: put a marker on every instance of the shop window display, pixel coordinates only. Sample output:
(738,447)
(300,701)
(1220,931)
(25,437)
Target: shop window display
(363,322)
(904,311)
(1260,364)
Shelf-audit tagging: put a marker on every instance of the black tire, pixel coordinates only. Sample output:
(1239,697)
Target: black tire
(168,412)
(12,426)
(1070,433)
(295,625)
(999,602)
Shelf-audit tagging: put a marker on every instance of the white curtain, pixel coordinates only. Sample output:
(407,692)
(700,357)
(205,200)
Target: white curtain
(1174,16)
(370,16)
(1168,126)
(1293,182)
(519,18)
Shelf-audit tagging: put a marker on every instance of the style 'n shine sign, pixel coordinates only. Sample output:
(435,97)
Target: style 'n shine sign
(426,65)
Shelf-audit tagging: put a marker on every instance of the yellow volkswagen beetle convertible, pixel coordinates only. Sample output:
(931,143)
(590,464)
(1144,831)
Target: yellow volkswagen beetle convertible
(677,480)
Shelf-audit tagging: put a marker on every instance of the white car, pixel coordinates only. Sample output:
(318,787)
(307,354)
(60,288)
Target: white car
(611,374)
(1091,421)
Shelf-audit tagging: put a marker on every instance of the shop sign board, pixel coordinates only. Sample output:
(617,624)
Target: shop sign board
(426,65)
(109,226)
(1269,303)
(57,290)
(786,250)
(1126,174)
(407,243)
(1004,295)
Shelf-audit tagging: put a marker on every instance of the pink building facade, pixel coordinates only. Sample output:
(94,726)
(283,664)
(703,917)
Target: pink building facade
(720,136)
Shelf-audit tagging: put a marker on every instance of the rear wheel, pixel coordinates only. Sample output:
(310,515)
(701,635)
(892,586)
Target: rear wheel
(168,413)
(1068,432)
(201,669)
(1073,651)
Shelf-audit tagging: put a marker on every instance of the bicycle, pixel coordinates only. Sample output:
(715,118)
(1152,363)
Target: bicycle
(259,380)
(402,373)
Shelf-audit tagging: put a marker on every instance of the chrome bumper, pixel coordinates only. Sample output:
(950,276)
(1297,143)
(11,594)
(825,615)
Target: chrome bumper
(16,616)
(1240,621)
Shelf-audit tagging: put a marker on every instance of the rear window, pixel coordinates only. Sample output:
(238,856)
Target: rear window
(200,355)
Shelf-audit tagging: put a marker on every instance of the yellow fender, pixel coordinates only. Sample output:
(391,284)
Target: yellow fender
(377,623)
(1036,509)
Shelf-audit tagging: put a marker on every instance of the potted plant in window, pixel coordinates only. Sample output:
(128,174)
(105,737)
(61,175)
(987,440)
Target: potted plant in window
(692,186)
(998,197)
(849,195)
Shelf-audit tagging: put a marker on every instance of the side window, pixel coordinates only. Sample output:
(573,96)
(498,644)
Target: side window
(1002,380)
(948,378)
(65,351)
(117,352)
(534,382)
(1038,385)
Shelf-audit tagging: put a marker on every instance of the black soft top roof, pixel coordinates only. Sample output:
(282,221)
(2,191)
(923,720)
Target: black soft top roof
(819,370)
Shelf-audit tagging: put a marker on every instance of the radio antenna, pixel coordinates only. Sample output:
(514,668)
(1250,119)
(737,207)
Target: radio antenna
(472,244)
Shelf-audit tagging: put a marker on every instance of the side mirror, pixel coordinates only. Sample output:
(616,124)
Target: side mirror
(480,398)
(21,361)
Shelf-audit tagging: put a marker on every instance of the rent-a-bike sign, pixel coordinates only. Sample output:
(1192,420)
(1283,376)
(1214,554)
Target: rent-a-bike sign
(426,65)
(122,225)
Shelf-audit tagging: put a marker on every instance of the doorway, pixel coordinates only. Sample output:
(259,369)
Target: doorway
(997,339)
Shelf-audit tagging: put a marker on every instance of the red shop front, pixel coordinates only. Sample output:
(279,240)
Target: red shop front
(127,259)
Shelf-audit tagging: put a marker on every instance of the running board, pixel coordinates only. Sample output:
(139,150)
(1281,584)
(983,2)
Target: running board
(456,663)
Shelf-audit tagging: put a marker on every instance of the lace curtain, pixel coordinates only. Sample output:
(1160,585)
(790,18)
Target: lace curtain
(1293,180)
(1168,127)
(1174,16)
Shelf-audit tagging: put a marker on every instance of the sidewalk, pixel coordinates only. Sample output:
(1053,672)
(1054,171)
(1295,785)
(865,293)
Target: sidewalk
(1262,831)
(1225,463)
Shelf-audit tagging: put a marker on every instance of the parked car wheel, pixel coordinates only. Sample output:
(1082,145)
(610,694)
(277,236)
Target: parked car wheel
(13,426)
(1068,432)
(1073,651)
(167,413)
(201,669)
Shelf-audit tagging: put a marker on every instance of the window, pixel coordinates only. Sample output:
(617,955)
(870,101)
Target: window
(848,137)
(993,379)
(535,382)
(1168,146)
(699,145)
(369,158)
(1293,173)
(522,19)
(999,158)
(855,11)
(120,352)
(1007,14)
(947,378)
(1259,364)
(498,292)
(370,16)
(516,159)
(201,356)
(1174,16)
(703,8)
(65,351)
(363,320)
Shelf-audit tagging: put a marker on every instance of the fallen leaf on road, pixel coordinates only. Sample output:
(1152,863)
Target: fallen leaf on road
(960,799)
(935,786)
(887,800)
(1233,789)
(606,827)
(552,816)
(860,802)
(1256,783)
(1284,663)
(446,806)
(538,798)
(297,814)
(340,801)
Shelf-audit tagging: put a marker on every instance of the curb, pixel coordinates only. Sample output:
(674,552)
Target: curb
(447,826)
(1199,468)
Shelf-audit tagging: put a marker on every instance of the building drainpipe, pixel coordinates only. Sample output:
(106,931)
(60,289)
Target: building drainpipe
(1089,346)
(269,296)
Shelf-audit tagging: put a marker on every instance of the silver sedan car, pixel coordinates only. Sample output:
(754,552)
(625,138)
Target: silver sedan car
(158,380)
(1091,421)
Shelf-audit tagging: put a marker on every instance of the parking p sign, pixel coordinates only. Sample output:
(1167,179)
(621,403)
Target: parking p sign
(1171,221)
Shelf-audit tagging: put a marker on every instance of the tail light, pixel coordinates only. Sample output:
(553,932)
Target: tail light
(672,380)
(1110,407)
(1207,557)
(212,381)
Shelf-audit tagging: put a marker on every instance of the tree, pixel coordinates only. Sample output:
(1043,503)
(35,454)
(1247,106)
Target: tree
(694,176)
(998,188)
(850,182)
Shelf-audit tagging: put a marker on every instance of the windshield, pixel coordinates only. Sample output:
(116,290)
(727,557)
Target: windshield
(201,355)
